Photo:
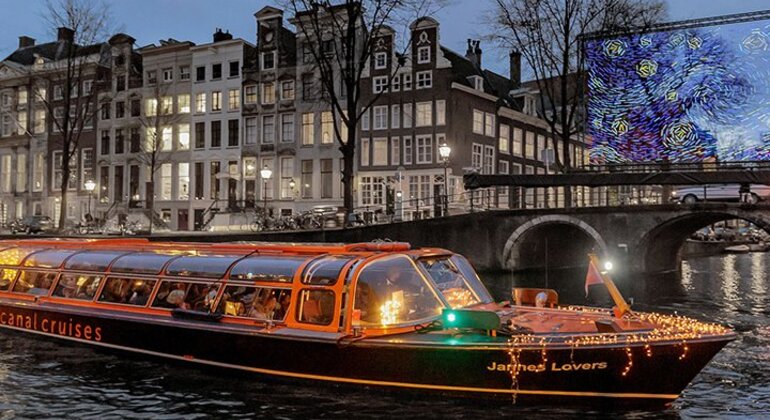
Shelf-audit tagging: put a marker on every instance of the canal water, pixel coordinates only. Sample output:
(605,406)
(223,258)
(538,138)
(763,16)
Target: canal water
(48,379)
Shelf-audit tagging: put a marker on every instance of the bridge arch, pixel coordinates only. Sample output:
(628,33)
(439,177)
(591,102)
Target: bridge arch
(513,247)
(659,250)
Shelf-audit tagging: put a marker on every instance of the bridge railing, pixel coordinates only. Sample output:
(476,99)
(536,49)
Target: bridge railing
(651,167)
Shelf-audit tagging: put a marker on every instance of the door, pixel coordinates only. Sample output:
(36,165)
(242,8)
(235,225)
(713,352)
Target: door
(232,193)
(182,220)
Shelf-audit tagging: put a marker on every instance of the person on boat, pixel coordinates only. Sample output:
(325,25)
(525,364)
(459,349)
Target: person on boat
(176,296)
(210,298)
(140,295)
(283,305)
(265,309)
(42,284)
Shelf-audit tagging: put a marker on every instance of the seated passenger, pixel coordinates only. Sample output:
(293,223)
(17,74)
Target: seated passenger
(42,284)
(264,310)
(283,306)
(140,295)
(176,296)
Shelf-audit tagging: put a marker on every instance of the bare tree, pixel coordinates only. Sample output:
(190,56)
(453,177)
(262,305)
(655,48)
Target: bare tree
(547,33)
(68,85)
(156,122)
(341,37)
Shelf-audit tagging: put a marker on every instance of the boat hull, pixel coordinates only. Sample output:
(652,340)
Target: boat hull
(465,366)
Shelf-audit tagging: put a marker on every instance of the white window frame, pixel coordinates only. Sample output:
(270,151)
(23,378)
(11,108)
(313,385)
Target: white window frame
(395,116)
(504,139)
(478,122)
(380,151)
(395,151)
(423,55)
(380,61)
(423,149)
(380,84)
(489,124)
(424,114)
(380,120)
(424,79)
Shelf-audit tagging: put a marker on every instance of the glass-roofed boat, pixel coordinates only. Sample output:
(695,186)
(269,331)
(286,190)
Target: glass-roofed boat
(369,314)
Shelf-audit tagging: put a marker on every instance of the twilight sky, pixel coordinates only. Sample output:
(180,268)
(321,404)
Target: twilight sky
(195,20)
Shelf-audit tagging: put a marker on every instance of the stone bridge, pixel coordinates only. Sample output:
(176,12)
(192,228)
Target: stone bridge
(645,239)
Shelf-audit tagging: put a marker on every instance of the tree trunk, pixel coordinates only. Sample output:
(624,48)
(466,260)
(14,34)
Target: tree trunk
(348,159)
(150,202)
(63,189)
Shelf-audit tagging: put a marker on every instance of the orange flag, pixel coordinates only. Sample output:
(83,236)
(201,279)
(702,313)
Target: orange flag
(593,276)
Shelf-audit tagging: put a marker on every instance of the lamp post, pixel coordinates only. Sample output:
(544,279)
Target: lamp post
(444,151)
(90,185)
(292,185)
(266,174)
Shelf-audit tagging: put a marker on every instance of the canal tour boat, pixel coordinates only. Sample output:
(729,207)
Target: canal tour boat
(369,314)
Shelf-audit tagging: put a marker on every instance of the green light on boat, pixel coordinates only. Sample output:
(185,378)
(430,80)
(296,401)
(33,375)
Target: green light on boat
(469,318)
(451,317)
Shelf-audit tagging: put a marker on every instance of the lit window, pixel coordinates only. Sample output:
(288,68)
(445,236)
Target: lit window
(424,149)
(250,94)
(287,90)
(381,117)
(489,124)
(234,97)
(424,114)
(200,102)
(216,101)
(183,103)
(478,122)
(504,138)
(268,93)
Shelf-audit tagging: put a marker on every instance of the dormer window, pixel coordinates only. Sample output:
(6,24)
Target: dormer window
(423,55)
(477,82)
(380,60)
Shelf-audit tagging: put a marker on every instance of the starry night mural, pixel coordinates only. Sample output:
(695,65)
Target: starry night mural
(685,95)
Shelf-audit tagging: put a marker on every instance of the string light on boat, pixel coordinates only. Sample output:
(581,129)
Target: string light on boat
(608,266)
(389,312)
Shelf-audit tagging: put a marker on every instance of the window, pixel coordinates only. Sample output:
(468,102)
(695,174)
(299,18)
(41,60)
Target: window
(216,133)
(216,101)
(364,152)
(250,136)
(424,114)
(135,140)
(268,60)
(380,60)
(308,128)
(308,87)
(478,82)
(21,169)
(478,122)
(380,149)
(135,107)
(517,141)
(105,115)
(407,81)
(38,172)
(489,124)
(150,107)
(165,181)
(120,83)
(120,109)
(168,75)
(365,120)
(476,155)
(234,97)
(119,141)
(407,150)
(287,175)
(529,145)
(216,71)
(307,53)
(268,129)
(152,77)
(214,180)
(504,139)
(183,104)
(250,94)
(408,116)
(39,123)
(287,128)
(127,291)
(5,171)
(372,190)
(441,112)
(423,55)
(258,303)
(381,117)
(200,135)
(184,72)
(395,83)
(34,282)
(200,73)
(105,143)
(235,68)
(380,84)
(327,128)
(268,93)
(184,181)
(233,133)
(502,167)
(200,102)
(307,179)
(183,133)
(22,95)
(395,116)
(488,165)
(424,149)
(327,178)
(395,149)
(287,90)
(424,79)
(166,138)
(540,147)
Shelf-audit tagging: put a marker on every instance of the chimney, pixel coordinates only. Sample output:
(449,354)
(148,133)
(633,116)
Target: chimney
(515,63)
(477,51)
(65,34)
(25,41)
(469,54)
(473,53)
(220,36)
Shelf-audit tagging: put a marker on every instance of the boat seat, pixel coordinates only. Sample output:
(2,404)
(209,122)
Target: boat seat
(526,296)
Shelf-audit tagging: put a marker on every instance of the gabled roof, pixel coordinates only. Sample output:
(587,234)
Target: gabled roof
(51,51)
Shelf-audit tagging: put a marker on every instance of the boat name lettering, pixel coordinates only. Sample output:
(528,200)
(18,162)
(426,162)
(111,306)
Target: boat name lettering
(68,328)
(553,367)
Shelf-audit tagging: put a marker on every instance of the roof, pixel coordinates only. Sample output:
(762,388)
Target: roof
(463,68)
(53,51)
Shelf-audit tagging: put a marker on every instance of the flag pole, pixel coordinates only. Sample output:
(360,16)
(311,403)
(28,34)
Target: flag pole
(621,305)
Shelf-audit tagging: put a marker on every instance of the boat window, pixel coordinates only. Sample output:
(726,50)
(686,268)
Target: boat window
(52,258)
(267,268)
(92,260)
(392,291)
(192,296)
(7,276)
(141,263)
(127,291)
(14,256)
(255,302)
(34,282)
(77,286)
(472,278)
(201,266)
(450,281)
(315,306)
(324,270)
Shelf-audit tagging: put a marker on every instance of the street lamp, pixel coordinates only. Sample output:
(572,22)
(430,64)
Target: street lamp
(90,186)
(444,151)
(266,174)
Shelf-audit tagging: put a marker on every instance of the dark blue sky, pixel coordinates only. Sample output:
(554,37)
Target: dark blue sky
(195,20)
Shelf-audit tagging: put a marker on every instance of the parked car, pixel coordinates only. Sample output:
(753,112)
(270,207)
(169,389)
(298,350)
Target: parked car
(719,192)
(32,224)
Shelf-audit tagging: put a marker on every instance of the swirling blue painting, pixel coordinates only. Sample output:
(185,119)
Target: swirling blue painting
(685,95)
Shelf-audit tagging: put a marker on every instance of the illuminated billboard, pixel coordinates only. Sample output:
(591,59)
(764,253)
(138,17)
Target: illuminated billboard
(682,93)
